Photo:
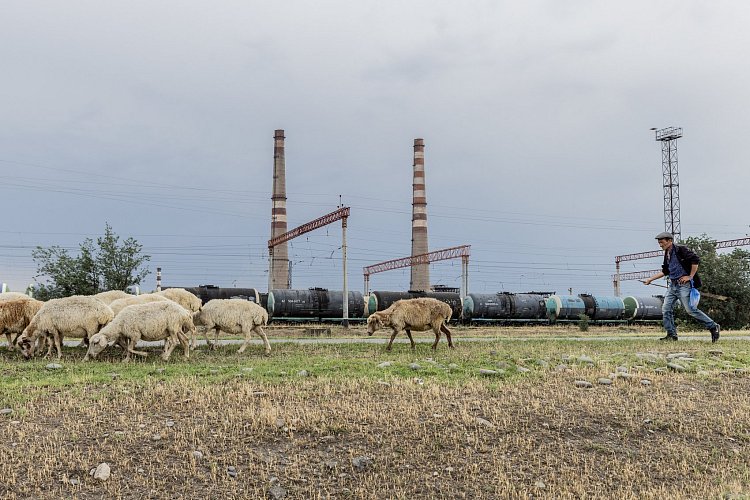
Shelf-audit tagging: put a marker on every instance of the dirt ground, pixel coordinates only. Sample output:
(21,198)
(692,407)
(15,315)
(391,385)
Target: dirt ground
(681,437)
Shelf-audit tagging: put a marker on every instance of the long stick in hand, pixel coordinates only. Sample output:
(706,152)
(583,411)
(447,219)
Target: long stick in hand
(705,294)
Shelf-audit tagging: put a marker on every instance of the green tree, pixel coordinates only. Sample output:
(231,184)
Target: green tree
(107,264)
(725,274)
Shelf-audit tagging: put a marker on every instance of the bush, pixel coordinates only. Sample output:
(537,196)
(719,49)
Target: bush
(583,322)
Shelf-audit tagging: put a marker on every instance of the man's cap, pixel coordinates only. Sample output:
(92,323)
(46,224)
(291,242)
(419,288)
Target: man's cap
(664,236)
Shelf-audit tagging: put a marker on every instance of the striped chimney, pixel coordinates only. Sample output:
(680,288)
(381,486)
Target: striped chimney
(279,259)
(420,273)
(158,279)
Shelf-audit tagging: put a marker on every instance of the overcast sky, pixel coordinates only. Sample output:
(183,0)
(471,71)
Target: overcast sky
(157,117)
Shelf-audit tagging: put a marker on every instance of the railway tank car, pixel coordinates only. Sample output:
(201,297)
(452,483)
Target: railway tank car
(504,306)
(643,308)
(380,300)
(315,304)
(603,308)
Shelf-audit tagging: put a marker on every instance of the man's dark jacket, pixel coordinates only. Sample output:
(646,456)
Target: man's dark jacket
(687,258)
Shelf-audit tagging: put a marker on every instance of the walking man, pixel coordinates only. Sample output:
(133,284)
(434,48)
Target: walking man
(681,265)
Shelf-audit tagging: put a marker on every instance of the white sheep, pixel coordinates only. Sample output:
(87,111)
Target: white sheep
(15,316)
(186,299)
(161,320)
(76,316)
(119,304)
(110,296)
(13,296)
(233,316)
(418,314)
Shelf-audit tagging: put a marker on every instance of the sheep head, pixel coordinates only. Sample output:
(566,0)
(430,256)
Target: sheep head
(26,343)
(375,322)
(97,343)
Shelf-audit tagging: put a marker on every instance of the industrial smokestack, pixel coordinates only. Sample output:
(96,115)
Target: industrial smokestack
(278,272)
(420,273)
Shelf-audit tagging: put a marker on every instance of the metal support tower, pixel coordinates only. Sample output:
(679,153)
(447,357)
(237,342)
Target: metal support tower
(668,138)
(342,213)
(463,252)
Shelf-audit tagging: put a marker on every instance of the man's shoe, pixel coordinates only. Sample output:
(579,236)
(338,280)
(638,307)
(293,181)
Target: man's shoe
(669,338)
(715,333)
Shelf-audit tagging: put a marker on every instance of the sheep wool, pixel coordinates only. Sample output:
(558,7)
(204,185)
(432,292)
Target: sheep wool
(76,316)
(418,314)
(119,304)
(15,316)
(160,320)
(186,299)
(110,296)
(13,296)
(234,316)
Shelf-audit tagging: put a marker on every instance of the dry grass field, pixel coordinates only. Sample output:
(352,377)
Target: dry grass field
(332,421)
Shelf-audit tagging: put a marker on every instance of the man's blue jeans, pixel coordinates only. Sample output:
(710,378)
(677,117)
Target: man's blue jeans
(682,293)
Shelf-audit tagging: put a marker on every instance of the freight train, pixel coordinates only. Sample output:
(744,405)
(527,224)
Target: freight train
(322,305)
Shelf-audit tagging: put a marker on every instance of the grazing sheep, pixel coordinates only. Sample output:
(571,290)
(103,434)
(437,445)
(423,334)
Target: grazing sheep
(112,295)
(120,304)
(186,299)
(15,315)
(76,316)
(233,316)
(413,314)
(161,320)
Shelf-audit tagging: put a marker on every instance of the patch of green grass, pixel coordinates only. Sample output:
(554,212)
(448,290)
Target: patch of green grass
(21,380)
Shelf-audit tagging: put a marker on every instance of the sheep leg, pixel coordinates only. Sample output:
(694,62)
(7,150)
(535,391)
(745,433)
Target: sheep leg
(408,334)
(185,344)
(127,351)
(11,346)
(169,345)
(247,340)
(58,344)
(205,336)
(216,336)
(259,330)
(447,332)
(437,337)
(40,342)
(131,348)
(193,341)
(393,336)
(213,345)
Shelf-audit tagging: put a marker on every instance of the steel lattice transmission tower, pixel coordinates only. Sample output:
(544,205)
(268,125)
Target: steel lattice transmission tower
(668,138)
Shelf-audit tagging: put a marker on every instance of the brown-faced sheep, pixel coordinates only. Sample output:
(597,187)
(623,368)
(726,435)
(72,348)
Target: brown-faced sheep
(161,320)
(15,316)
(233,316)
(110,296)
(186,299)
(120,304)
(76,316)
(413,314)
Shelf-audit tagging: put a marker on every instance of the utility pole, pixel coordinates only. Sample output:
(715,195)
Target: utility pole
(345,320)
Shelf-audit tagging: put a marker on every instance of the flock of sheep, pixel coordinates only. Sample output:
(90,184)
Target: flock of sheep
(116,317)
(171,315)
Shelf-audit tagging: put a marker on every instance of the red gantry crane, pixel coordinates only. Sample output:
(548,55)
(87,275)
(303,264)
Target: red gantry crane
(341,214)
(461,252)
